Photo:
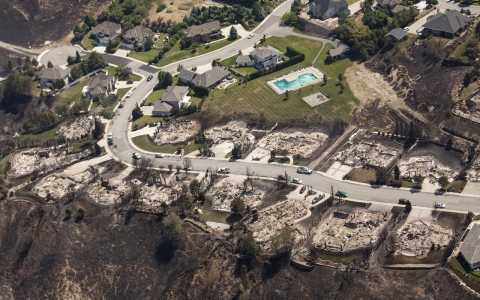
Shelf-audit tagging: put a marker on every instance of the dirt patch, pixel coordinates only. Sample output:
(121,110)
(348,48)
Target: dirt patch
(178,9)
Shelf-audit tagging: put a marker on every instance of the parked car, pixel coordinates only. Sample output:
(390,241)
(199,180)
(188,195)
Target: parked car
(439,205)
(406,28)
(136,155)
(403,201)
(341,194)
(318,198)
(149,77)
(250,35)
(159,155)
(128,94)
(153,124)
(296,180)
(110,142)
(282,177)
(224,170)
(187,168)
(303,189)
(130,82)
(304,170)
(122,104)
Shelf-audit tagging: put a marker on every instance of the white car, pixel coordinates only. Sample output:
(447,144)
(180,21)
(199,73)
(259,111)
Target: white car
(136,155)
(296,180)
(224,170)
(128,94)
(250,35)
(158,155)
(439,205)
(304,170)
(406,28)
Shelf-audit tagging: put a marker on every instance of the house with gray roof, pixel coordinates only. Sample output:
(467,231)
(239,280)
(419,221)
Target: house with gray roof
(470,249)
(388,3)
(446,24)
(176,96)
(106,31)
(135,38)
(101,85)
(161,109)
(260,58)
(326,9)
(339,50)
(186,76)
(48,76)
(396,35)
(202,33)
(209,79)
(399,8)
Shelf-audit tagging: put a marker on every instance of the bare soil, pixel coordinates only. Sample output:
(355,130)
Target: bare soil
(179,9)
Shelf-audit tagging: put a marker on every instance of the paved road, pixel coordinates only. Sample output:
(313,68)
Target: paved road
(458,6)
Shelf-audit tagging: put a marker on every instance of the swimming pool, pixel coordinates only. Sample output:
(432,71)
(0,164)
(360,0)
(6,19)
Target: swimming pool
(284,84)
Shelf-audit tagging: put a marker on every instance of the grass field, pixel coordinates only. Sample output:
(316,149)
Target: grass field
(459,52)
(26,192)
(4,166)
(256,97)
(143,143)
(246,70)
(146,120)
(122,92)
(457,186)
(70,95)
(229,61)
(362,175)
(88,42)
(111,71)
(214,215)
(470,278)
(467,91)
(45,135)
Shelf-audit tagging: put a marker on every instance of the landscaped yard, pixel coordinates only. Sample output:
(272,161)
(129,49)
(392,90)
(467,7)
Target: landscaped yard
(256,97)
(362,175)
(246,70)
(214,215)
(467,91)
(70,95)
(45,135)
(143,143)
(459,52)
(469,277)
(88,42)
(229,61)
(122,92)
(146,120)
(112,71)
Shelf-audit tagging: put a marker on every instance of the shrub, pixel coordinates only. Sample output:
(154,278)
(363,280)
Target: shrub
(161,7)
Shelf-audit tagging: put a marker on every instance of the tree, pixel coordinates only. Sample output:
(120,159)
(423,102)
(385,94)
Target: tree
(432,2)
(449,143)
(17,90)
(178,168)
(412,135)
(123,72)
(99,128)
(77,57)
(286,93)
(238,205)
(244,276)
(94,61)
(76,72)
(148,44)
(172,226)
(137,112)
(381,175)
(90,21)
(187,163)
(396,172)
(342,87)
(443,181)
(283,240)
(170,167)
(273,153)
(195,188)
(290,19)
(325,79)
(466,80)
(179,67)
(233,33)
(165,79)
(70,60)
(408,207)
(247,248)
(49,64)
(237,151)
(340,77)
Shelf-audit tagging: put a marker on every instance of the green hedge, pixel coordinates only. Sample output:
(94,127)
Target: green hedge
(296,57)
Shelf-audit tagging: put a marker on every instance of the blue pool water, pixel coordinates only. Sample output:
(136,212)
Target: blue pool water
(284,85)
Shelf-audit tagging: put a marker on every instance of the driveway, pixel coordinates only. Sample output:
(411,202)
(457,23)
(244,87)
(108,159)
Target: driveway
(58,56)
(418,24)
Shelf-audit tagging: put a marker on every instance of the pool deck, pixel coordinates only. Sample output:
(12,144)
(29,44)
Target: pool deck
(293,75)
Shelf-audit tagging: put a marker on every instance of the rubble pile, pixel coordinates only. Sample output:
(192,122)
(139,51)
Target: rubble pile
(56,186)
(43,159)
(418,237)
(79,127)
(107,195)
(425,166)
(273,218)
(224,191)
(366,154)
(474,171)
(175,131)
(357,229)
(304,144)
(235,131)
(157,194)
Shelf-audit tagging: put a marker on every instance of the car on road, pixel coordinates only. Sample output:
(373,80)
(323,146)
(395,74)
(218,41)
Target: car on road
(303,189)
(341,194)
(122,104)
(304,170)
(130,82)
(318,198)
(403,201)
(439,205)
(110,142)
(296,180)
(251,35)
(136,155)
(128,94)
(224,171)
(159,155)
(187,168)
(149,77)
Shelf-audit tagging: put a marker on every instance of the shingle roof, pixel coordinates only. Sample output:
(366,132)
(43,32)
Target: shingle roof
(244,59)
(397,33)
(451,21)
(206,28)
(388,2)
(106,28)
(264,52)
(99,83)
(471,245)
(161,107)
(54,73)
(186,75)
(137,34)
(210,77)
(327,4)
(398,8)
(174,93)
(338,48)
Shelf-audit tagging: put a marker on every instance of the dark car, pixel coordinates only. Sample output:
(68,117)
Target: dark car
(318,198)
(149,77)
(303,189)
(130,82)
(153,124)
(341,194)
(403,201)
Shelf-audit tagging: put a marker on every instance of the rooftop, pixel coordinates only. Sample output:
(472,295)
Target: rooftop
(397,33)
(175,93)
(54,73)
(202,29)
(471,245)
(451,21)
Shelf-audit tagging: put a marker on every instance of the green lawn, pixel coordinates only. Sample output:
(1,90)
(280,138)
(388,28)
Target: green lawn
(45,135)
(122,92)
(229,61)
(26,192)
(470,278)
(362,175)
(467,91)
(143,143)
(459,52)
(112,71)
(146,120)
(88,42)
(214,215)
(409,184)
(70,95)
(411,38)
(350,2)
(4,166)
(246,70)
(456,186)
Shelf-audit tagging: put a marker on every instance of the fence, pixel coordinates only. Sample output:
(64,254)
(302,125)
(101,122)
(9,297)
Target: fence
(81,78)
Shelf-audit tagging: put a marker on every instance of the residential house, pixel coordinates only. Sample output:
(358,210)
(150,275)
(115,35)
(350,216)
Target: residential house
(396,35)
(101,85)
(339,50)
(399,8)
(470,249)
(135,38)
(176,96)
(208,79)
(446,24)
(260,58)
(106,31)
(326,9)
(202,33)
(388,3)
(161,109)
(48,76)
